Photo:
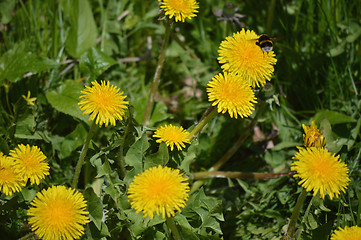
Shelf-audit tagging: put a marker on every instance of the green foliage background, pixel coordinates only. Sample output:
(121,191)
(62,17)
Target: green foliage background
(54,48)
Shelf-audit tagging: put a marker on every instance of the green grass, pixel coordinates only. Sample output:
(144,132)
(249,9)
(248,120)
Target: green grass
(317,77)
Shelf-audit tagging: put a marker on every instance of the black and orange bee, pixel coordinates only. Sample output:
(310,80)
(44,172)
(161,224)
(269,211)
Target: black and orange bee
(265,43)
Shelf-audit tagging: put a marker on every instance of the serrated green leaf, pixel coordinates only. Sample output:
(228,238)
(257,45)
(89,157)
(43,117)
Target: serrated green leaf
(66,99)
(159,158)
(19,60)
(135,154)
(94,62)
(94,207)
(83,31)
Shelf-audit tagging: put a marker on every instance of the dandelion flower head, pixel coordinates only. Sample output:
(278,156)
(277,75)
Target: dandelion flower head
(181,9)
(320,171)
(160,190)
(172,135)
(104,102)
(348,233)
(10,179)
(58,213)
(30,162)
(312,136)
(241,55)
(231,93)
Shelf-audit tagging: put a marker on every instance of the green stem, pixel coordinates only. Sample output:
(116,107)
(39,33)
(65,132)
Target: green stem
(121,148)
(173,228)
(233,149)
(271,11)
(240,175)
(296,211)
(82,156)
(208,116)
(27,236)
(156,78)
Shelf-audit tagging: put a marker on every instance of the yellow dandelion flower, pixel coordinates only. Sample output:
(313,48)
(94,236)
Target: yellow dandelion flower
(312,136)
(181,9)
(172,135)
(160,190)
(30,162)
(320,171)
(231,93)
(239,54)
(10,179)
(58,213)
(103,102)
(28,99)
(348,233)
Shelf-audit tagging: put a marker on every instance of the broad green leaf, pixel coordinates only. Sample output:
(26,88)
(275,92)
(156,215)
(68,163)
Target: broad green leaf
(135,154)
(354,133)
(66,145)
(94,207)
(83,31)
(159,158)
(19,60)
(323,231)
(333,117)
(25,128)
(332,144)
(283,145)
(4,147)
(94,62)
(159,113)
(66,99)
(189,157)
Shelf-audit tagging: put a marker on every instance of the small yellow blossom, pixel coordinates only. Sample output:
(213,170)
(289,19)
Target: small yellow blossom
(10,179)
(160,190)
(104,102)
(29,100)
(312,136)
(320,171)
(172,135)
(231,93)
(347,233)
(58,213)
(181,9)
(30,162)
(239,54)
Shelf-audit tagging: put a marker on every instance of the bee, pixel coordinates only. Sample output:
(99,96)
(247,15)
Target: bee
(265,43)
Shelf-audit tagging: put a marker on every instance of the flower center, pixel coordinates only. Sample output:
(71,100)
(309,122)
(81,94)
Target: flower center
(59,213)
(6,175)
(178,5)
(30,161)
(231,92)
(172,136)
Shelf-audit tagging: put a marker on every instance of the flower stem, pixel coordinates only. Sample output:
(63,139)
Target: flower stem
(82,156)
(121,148)
(233,149)
(156,78)
(173,228)
(27,236)
(239,175)
(208,116)
(292,225)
